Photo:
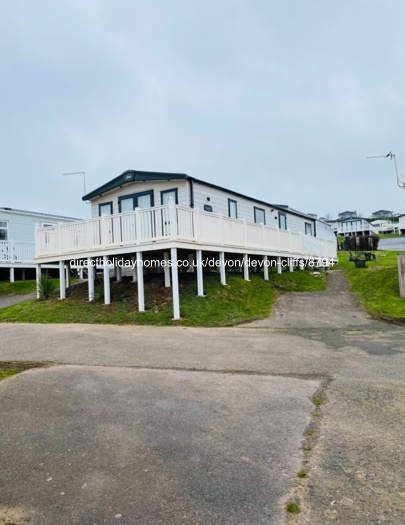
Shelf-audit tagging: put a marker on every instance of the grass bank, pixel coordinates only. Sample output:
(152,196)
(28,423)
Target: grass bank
(19,287)
(376,285)
(229,305)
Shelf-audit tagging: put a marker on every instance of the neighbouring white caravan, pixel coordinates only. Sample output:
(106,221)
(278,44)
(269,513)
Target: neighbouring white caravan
(17,240)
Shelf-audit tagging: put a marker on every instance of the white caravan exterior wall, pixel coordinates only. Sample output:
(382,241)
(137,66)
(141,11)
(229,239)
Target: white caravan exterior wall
(21,224)
(203,195)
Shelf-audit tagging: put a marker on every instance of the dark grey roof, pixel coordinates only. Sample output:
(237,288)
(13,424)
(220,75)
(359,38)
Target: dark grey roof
(130,176)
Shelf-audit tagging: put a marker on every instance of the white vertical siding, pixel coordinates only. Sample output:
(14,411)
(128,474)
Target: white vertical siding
(21,225)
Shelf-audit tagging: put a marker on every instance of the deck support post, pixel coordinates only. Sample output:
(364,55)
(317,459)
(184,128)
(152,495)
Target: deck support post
(265,268)
(301,264)
(67,270)
(62,283)
(119,274)
(200,284)
(246,267)
(279,267)
(23,274)
(166,269)
(38,277)
(222,271)
(106,279)
(290,264)
(134,274)
(190,263)
(11,275)
(141,292)
(90,282)
(175,284)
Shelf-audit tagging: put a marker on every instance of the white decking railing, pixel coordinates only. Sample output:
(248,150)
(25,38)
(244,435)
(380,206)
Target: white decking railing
(173,223)
(17,252)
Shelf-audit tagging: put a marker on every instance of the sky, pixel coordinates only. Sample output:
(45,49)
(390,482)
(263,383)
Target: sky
(280,100)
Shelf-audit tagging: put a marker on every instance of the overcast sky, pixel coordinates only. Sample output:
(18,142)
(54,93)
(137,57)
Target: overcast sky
(280,100)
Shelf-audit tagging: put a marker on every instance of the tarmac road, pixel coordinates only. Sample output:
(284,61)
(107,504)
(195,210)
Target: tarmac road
(186,425)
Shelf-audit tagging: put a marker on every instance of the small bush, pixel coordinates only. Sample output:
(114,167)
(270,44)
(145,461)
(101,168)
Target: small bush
(117,293)
(46,287)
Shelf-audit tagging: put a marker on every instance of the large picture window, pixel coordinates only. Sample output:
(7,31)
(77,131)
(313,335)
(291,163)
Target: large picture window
(136,200)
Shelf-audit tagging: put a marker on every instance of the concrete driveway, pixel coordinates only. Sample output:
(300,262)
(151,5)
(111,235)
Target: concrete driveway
(185,425)
(83,445)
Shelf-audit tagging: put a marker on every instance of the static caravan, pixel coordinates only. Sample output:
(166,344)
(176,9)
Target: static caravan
(142,215)
(17,240)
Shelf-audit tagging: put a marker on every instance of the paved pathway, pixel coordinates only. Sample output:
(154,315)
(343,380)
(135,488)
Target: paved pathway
(160,442)
(9,300)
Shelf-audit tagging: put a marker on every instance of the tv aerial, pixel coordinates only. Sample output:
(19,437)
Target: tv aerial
(391,156)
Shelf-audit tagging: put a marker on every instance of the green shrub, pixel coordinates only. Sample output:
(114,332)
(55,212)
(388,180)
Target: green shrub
(46,287)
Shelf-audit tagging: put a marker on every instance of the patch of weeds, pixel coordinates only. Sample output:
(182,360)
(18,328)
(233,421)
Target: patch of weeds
(316,414)
(310,431)
(317,401)
(9,373)
(303,473)
(292,507)
(307,448)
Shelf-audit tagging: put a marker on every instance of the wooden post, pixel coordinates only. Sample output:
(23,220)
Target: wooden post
(106,279)
(279,267)
(141,293)
(134,274)
(265,268)
(222,271)
(38,272)
(246,267)
(401,274)
(62,284)
(175,285)
(11,275)
(67,269)
(200,285)
(166,269)
(90,274)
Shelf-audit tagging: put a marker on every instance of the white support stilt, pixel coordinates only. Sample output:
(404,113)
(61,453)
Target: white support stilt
(265,268)
(301,265)
(290,264)
(67,270)
(23,274)
(246,267)
(166,269)
(81,273)
(119,274)
(38,276)
(222,271)
(279,268)
(175,285)
(62,283)
(141,292)
(200,283)
(11,275)
(190,263)
(91,274)
(106,279)
(134,272)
